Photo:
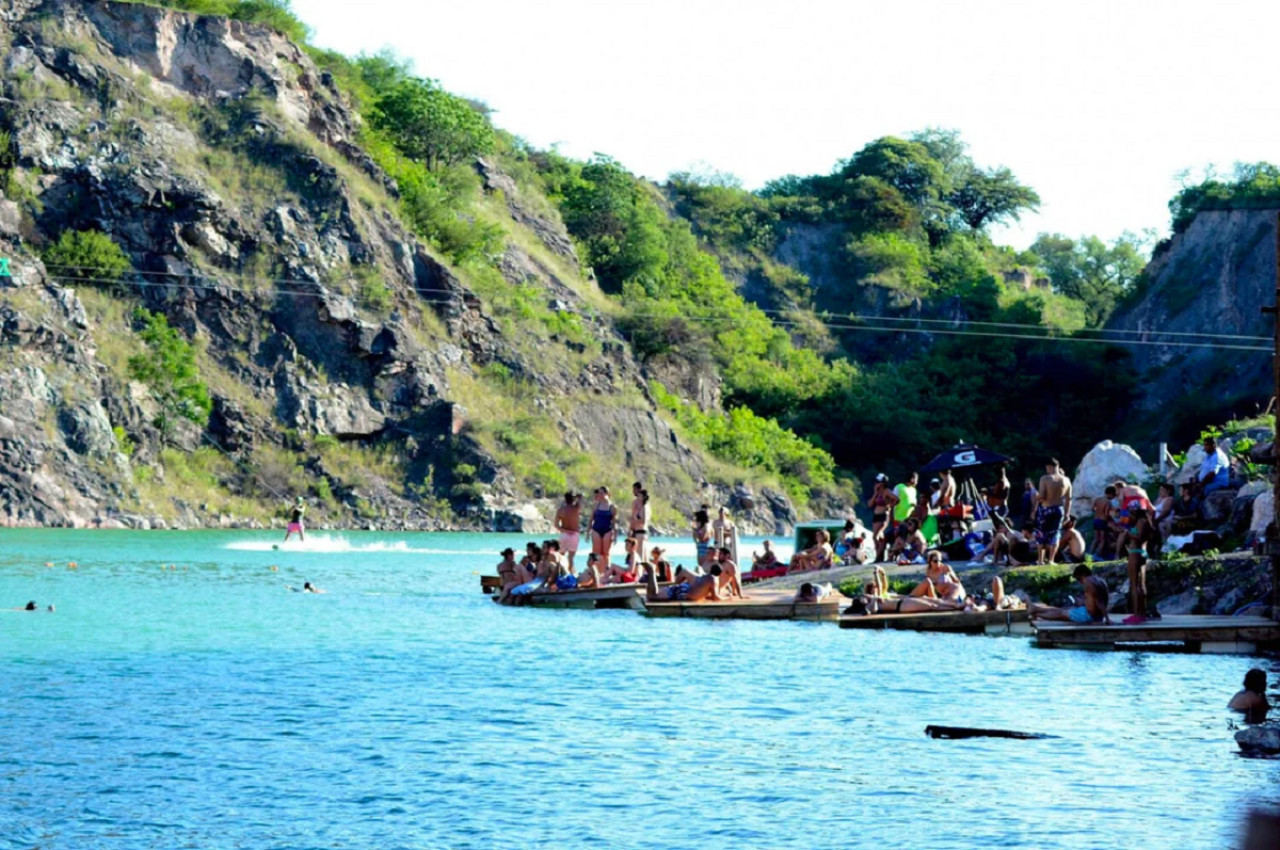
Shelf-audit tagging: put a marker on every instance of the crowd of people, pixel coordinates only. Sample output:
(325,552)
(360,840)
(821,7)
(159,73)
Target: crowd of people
(549,566)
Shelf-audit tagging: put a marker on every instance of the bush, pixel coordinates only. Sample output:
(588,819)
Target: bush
(87,255)
(429,125)
(169,368)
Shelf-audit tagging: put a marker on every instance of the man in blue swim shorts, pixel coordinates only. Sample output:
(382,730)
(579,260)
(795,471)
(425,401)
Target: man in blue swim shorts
(1092,612)
(1051,501)
(689,587)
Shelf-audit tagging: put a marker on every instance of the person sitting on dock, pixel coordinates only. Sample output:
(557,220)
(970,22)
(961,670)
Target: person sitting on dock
(1252,700)
(1096,598)
(768,560)
(590,575)
(507,573)
(878,585)
(940,581)
(910,545)
(819,556)
(1072,548)
(812,592)
(628,573)
(688,587)
(659,563)
(729,582)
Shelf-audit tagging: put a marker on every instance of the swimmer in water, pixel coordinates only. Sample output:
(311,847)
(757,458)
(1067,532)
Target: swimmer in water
(307,587)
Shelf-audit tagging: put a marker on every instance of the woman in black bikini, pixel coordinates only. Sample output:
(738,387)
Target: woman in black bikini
(881,502)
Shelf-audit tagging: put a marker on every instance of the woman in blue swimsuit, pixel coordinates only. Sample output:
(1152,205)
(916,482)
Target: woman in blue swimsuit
(604,516)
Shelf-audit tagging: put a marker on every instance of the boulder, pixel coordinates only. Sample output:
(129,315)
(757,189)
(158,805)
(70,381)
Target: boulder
(1104,464)
(1259,739)
(1264,511)
(1218,505)
(1253,488)
(527,519)
(1241,513)
(1191,466)
(1230,601)
(1187,602)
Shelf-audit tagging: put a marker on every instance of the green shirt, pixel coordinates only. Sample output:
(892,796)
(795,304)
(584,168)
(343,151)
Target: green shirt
(906,502)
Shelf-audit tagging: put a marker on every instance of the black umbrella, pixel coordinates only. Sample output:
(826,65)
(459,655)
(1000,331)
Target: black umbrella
(963,457)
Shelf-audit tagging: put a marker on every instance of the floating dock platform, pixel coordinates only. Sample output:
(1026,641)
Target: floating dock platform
(1173,632)
(1013,621)
(757,605)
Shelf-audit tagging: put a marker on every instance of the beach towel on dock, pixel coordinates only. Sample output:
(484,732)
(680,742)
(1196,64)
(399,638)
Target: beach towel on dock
(528,587)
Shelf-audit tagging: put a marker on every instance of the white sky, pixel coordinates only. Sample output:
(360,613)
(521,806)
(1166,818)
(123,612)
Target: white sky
(1097,105)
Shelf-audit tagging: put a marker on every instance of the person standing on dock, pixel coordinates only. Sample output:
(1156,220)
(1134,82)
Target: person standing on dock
(998,495)
(295,520)
(1139,536)
(1052,497)
(569,523)
(640,512)
(725,533)
(701,534)
(906,504)
(604,522)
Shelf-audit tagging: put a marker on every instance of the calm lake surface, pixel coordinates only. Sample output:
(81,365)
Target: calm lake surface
(210,707)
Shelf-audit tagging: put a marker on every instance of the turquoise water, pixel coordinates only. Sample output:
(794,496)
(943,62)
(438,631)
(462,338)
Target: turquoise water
(209,707)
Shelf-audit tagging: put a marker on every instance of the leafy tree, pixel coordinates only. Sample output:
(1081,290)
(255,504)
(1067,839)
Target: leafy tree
(86,254)
(168,367)
(1252,186)
(892,261)
(1091,271)
(987,197)
(906,166)
(430,125)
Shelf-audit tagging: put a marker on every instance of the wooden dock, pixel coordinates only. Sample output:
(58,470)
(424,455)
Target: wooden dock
(953,622)
(1184,633)
(609,596)
(758,605)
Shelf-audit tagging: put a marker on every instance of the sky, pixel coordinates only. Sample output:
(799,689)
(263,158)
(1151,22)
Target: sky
(1099,106)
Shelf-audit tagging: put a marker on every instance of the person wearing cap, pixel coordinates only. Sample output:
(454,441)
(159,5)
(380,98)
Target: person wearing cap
(659,563)
(295,520)
(568,522)
(882,501)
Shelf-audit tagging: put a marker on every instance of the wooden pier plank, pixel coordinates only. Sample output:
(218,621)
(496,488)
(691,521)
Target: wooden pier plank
(961,622)
(757,605)
(1173,628)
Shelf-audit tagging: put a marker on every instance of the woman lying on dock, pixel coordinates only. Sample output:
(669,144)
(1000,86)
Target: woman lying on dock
(877,600)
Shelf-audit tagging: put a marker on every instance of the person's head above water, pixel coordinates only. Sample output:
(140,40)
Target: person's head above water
(31,606)
(1256,680)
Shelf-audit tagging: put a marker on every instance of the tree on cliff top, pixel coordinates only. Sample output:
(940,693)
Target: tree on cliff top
(430,125)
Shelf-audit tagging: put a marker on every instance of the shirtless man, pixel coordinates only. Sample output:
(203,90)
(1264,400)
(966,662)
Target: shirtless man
(1102,520)
(998,495)
(947,495)
(688,587)
(1094,609)
(1072,549)
(1053,495)
(569,523)
(729,573)
(640,512)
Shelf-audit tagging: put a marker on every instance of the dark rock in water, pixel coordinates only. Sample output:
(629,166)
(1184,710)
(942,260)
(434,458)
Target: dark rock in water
(953,732)
(1259,739)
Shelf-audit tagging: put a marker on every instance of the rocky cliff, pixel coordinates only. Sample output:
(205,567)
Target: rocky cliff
(1215,277)
(346,360)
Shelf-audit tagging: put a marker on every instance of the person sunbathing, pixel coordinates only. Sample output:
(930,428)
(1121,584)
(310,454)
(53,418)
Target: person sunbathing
(689,587)
(729,583)
(866,605)
(590,575)
(767,561)
(819,556)
(507,573)
(812,592)
(628,573)
(940,581)
(878,586)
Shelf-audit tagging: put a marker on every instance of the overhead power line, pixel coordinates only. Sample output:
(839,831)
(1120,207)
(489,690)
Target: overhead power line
(852,323)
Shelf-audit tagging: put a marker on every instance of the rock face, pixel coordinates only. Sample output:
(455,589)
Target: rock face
(1216,276)
(342,354)
(1259,739)
(1103,465)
